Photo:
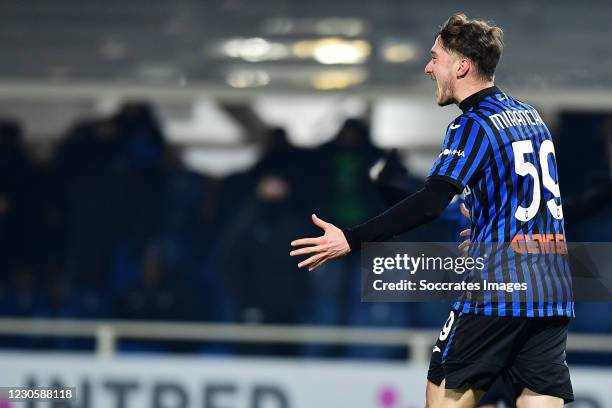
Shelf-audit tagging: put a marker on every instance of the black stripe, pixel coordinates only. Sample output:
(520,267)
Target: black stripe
(471,159)
(460,146)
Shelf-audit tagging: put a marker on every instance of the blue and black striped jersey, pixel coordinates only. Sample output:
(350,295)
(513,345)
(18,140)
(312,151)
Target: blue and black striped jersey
(500,152)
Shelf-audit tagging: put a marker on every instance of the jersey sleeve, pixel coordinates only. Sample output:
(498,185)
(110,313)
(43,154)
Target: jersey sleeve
(464,154)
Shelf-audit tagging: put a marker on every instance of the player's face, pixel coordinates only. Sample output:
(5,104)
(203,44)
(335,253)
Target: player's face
(441,68)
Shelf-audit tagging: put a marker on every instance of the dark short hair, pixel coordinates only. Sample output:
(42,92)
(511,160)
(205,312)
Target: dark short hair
(478,40)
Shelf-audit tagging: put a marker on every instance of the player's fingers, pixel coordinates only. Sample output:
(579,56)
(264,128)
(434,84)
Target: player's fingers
(465,233)
(306,250)
(464,210)
(315,265)
(465,244)
(306,241)
(312,259)
(318,263)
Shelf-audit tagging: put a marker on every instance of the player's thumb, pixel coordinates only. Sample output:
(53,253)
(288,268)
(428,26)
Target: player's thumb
(318,222)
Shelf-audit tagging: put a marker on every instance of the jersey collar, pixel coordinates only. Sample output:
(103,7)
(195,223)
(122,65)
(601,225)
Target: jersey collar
(474,98)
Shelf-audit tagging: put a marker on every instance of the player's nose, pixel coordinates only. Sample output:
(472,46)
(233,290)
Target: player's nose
(427,69)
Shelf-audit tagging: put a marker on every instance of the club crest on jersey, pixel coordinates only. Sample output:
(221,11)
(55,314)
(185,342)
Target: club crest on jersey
(453,152)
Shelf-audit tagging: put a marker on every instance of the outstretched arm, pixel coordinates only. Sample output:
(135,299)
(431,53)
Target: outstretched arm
(413,211)
(417,209)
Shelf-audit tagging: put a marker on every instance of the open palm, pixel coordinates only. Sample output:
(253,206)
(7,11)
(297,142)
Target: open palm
(330,245)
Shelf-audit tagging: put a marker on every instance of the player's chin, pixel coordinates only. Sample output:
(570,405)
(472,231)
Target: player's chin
(439,96)
(443,101)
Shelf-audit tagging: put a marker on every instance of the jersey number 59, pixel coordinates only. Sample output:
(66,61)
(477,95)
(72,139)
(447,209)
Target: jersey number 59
(525,168)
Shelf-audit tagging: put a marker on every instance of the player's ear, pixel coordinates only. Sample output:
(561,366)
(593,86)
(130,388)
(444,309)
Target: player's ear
(463,67)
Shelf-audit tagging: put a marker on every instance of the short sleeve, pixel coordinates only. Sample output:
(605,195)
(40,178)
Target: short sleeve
(464,154)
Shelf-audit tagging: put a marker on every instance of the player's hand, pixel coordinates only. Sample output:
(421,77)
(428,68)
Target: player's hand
(330,245)
(465,245)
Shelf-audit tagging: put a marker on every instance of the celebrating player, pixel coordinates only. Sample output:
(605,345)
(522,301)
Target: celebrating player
(500,153)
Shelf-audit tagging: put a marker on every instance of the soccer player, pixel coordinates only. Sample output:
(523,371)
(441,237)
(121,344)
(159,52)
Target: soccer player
(500,153)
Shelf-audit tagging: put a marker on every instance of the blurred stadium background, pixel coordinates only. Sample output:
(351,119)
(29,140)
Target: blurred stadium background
(158,157)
